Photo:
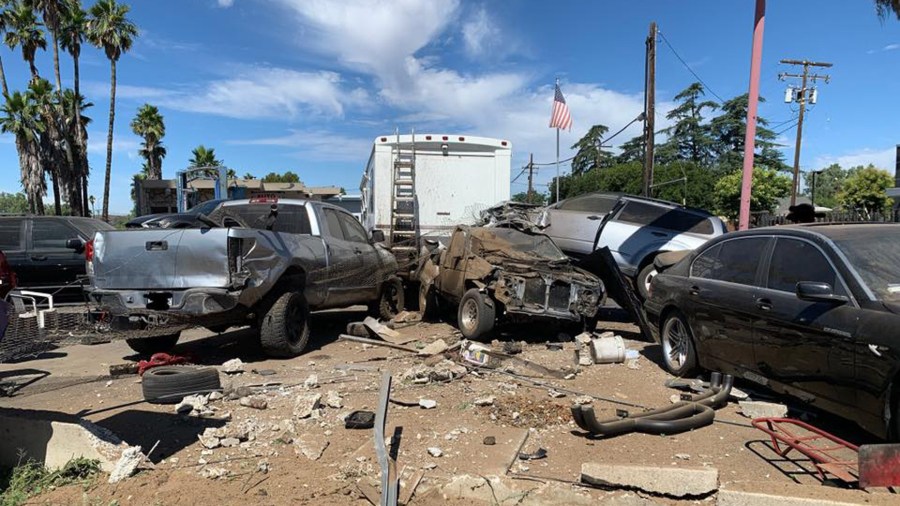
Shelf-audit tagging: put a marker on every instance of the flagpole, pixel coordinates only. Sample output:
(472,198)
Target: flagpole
(558,180)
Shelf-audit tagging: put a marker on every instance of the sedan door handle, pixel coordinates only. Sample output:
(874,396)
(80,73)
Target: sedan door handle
(39,258)
(694,290)
(764,304)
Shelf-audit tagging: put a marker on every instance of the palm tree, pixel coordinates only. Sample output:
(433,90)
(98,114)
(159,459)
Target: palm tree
(204,157)
(3,24)
(886,7)
(24,30)
(52,140)
(148,123)
(52,11)
(20,117)
(108,28)
(75,126)
(72,33)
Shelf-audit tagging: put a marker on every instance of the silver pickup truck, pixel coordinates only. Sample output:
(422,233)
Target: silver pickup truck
(259,262)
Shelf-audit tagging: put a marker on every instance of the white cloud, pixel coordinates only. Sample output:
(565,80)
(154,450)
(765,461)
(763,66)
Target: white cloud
(890,47)
(881,158)
(480,34)
(128,144)
(317,146)
(225,3)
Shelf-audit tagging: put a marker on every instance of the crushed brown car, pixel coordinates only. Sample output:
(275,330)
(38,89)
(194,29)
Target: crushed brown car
(496,274)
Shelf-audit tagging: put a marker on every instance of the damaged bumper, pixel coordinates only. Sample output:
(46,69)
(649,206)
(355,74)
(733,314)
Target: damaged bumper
(545,295)
(190,302)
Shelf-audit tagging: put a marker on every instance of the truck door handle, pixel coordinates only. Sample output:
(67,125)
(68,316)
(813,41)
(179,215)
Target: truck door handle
(694,290)
(764,304)
(156,245)
(39,258)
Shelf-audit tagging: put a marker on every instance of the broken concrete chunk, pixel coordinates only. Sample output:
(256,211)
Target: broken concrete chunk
(485,401)
(555,394)
(214,473)
(435,451)
(669,481)
(311,382)
(427,403)
(209,439)
(757,409)
(128,463)
(584,338)
(230,442)
(311,446)
(233,366)
(255,402)
(738,394)
(444,370)
(407,317)
(192,403)
(333,400)
(305,404)
(434,348)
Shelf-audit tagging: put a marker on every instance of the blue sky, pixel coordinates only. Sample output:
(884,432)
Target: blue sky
(306,85)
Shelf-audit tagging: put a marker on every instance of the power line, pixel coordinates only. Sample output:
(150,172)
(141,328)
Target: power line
(790,127)
(639,117)
(705,86)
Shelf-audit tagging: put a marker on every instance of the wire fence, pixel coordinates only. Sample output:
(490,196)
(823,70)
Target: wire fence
(768,219)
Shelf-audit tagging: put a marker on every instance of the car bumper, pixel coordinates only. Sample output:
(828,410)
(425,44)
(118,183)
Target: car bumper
(190,302)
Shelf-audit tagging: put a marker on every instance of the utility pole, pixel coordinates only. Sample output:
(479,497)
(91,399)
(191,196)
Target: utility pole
(649,109)
(530,178)
(802,96)
(759,25)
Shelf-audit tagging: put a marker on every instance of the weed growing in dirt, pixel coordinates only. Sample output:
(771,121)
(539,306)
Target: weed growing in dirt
(30,478)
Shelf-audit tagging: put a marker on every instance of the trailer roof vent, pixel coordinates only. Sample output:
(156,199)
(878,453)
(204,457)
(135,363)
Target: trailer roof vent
(503,143)
(384,139)
(445,138)
(461,139)
(427,137)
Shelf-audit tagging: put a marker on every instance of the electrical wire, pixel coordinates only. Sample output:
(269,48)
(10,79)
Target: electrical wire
(640,117)
(705,86)
(790,127)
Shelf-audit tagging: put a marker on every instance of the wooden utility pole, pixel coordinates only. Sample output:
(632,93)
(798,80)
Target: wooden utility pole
(802,97)
(530,178)
(649,109)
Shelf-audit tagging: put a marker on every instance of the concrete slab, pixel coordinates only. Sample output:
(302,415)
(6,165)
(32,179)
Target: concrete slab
(741,498)
(669,481)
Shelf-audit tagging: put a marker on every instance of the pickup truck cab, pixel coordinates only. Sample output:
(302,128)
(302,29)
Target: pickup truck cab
(262,262)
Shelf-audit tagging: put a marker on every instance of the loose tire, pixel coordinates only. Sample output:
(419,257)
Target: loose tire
(169,384)
(476,315)
(156,344)
(284,329)
(390,301)
(642,282)
(679,353)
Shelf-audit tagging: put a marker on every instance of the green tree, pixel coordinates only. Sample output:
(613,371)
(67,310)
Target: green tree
(828,183)
(728,131)
(53,157)
(75,125)
(886,7)
(13,203)
(249,176)
(24,31)
(590,151)
(865,190)
(4,24)
(72,33)
(769,186)
(110,29)
(533,198)
(631,151)
(20,116)
(149,124)
(52,13)
(689,137)
(201,156)
(287,177)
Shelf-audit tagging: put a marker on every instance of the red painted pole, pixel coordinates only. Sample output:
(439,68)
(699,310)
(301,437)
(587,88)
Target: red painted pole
(750,140)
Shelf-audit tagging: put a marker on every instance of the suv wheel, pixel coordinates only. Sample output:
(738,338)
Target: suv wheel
(155,344)
(390,302)
(642,282)
(476,315)
(284,329)
(679,354)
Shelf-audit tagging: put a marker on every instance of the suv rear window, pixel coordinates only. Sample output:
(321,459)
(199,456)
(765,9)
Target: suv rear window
(641,213)
(11,234)
(90,227)
(291,219)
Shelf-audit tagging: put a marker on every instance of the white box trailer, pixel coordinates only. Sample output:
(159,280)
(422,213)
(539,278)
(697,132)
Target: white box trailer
(456,177)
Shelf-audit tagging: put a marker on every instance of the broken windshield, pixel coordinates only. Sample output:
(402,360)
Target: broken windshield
(516,244)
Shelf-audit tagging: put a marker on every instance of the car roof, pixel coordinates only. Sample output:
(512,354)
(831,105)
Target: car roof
(666,203)
(837,231)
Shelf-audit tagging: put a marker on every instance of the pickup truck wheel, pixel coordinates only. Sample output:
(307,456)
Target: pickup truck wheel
(391,300)
(642,282)
(476,315)
(284,329)
(155,344)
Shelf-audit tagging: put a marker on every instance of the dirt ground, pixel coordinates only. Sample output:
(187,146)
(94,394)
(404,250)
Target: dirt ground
(523,417)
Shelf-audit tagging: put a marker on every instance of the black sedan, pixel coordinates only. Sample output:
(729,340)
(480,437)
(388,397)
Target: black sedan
(812,311)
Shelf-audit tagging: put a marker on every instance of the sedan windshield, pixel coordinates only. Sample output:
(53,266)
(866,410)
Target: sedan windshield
(874,256)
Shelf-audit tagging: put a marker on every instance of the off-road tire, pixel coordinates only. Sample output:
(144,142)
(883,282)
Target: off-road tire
(284,329)
(390,300)
(476,315)
(155,344)
(642,281)
(679,352)
(170,384)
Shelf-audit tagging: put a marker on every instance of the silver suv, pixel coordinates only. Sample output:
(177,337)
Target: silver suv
(635,229)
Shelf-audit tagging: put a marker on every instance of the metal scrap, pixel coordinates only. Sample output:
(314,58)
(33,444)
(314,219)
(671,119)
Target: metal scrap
(390,481)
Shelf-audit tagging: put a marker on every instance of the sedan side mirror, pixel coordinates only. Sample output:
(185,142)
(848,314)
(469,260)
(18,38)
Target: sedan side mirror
(76,243)
(818,292)
(378,235)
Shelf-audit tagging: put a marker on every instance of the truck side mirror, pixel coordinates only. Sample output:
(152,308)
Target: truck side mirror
(378,235)
(75,244)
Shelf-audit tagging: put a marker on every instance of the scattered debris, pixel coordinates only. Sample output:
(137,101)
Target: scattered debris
(758,409)
(386,333)
(333,400)
(607,350)
(512,347)
(682,456)
(554,346)
(311,382)
(359,420)
(407,317)
(230,442)
(669,481)
(375,342)
(633,364)
(123,369)
(196,404)
(127,464)
(485,401)
(434,348)
(427,403)
(233,366)
(305,404)
(555,394)
(445,370)
(255,402)
(214,473)
(739,395)
(435,451)
(311,446)
(264,372)
(490,440)
(540,453)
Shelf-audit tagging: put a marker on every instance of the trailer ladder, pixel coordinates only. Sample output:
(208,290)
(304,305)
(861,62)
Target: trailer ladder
(404,234)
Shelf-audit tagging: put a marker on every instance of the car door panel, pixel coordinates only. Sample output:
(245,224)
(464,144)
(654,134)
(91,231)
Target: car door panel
(53,266)
(342,277)
(451,282)
(371,274)
(12,243)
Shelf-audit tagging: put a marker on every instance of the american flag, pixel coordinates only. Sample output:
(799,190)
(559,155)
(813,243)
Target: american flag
(560,117)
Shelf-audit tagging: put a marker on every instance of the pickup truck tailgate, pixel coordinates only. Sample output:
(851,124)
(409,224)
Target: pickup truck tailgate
(167,259)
